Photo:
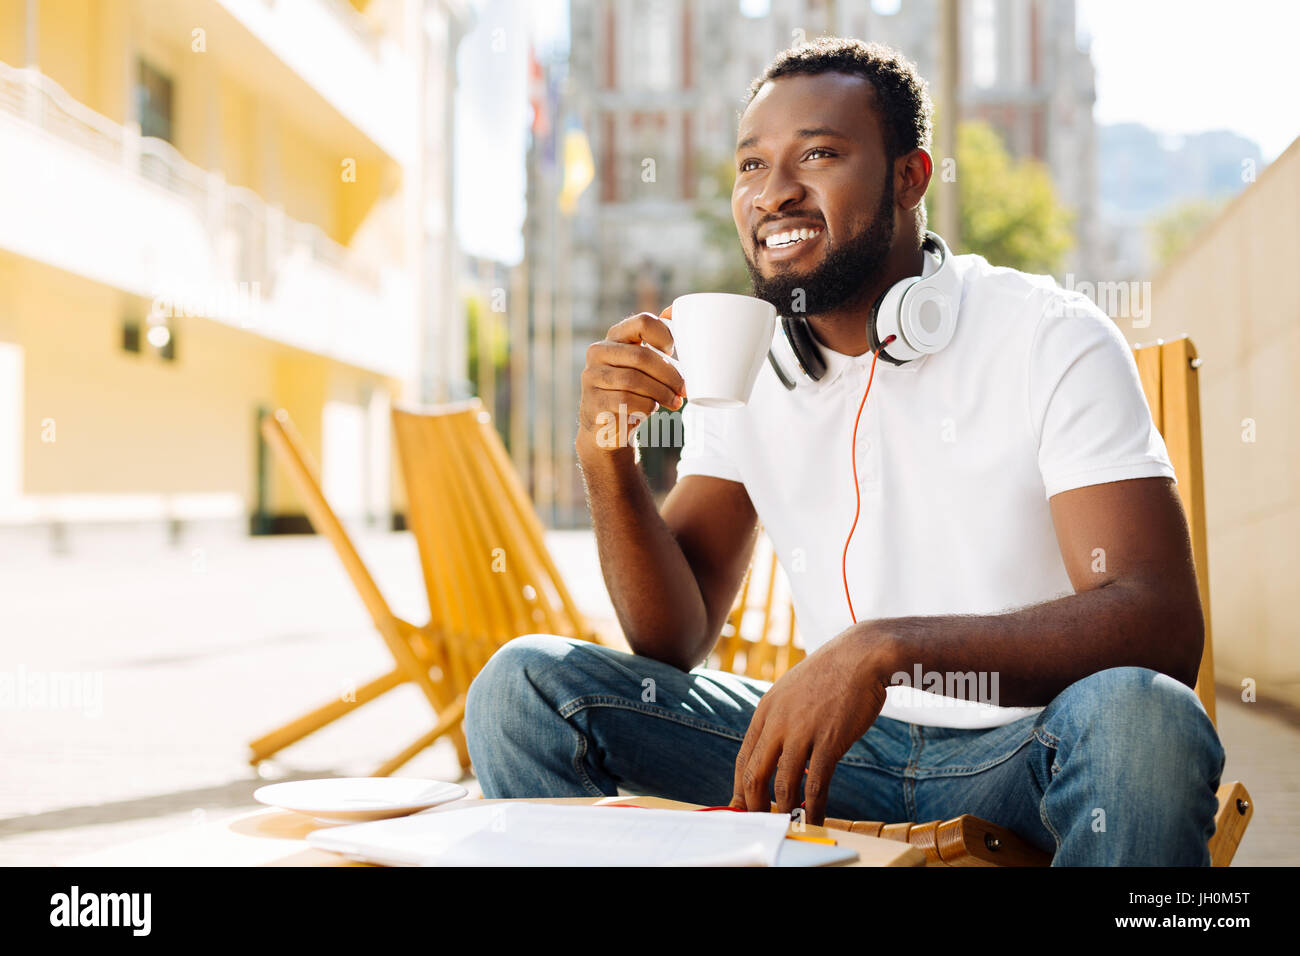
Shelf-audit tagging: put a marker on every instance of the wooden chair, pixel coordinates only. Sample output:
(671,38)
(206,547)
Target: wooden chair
(763,613)
(488,573)
(418,654)
(459,484)
(1169,380)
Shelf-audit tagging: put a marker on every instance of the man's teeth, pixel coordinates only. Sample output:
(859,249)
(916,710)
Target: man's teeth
(791,237)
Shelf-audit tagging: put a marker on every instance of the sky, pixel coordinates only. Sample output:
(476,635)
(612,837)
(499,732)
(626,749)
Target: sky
(1185,66)
(492,118)
(1177,66)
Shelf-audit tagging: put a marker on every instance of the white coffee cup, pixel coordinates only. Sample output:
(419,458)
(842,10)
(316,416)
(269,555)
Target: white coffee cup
(721,341)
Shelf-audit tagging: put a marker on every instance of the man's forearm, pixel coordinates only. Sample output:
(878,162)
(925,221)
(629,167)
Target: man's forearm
(1038,651)
(650,582)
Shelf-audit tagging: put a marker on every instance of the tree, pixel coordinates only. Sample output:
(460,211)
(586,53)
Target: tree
(1010,213)
(713,212)
(487,373)
(1173,230)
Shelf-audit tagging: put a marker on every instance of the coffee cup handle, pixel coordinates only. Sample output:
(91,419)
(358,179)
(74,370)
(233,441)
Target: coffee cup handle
(675,363)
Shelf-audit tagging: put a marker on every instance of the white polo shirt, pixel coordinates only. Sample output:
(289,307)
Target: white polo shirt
(958,453)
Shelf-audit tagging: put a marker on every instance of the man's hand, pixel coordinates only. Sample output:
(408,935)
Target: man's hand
(811,717)
(624,382)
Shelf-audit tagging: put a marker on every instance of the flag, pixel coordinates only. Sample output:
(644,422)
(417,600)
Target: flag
(537,96)
(579,167)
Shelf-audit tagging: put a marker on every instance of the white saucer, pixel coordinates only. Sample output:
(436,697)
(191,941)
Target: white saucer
(357,799)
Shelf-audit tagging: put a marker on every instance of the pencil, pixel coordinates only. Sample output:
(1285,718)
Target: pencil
(811,839)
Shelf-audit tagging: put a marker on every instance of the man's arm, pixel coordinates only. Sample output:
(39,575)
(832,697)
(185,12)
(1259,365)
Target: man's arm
(1128,553)
(671,577)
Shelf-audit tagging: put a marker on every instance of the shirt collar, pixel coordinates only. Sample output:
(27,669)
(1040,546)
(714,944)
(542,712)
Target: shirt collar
(837,362)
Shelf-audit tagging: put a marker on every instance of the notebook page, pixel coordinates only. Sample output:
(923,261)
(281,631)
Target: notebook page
(530,834)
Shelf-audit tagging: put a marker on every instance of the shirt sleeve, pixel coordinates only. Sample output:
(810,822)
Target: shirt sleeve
(1086,402)
(704,452)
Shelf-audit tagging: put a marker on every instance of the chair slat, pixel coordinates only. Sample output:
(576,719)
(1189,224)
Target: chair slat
(515,575)
(283,437)
(1182,435)
(1149,371)
(521,509)
(478,534)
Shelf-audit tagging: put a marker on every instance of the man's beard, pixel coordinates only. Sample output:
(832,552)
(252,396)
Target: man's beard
(847,271)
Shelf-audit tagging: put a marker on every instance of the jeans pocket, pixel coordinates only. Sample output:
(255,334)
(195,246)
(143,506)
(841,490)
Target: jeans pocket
(946,752)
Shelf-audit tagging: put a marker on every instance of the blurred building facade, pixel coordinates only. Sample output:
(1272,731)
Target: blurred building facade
(657,86)
(209,209)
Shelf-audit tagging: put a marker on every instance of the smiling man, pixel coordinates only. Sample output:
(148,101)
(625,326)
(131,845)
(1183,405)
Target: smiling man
(1017,535)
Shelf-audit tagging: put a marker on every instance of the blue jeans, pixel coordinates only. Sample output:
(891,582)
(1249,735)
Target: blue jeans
(1120,769)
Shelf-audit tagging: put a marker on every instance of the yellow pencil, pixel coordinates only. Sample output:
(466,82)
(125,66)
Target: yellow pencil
(811,839)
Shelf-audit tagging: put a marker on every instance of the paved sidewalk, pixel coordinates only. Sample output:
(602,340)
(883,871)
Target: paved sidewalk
(187,653)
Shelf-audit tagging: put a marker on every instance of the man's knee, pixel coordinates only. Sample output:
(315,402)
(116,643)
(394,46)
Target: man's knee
(1133,695)
(511,677)
(1139,715)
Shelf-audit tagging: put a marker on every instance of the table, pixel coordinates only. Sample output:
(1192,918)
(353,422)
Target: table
(279,838)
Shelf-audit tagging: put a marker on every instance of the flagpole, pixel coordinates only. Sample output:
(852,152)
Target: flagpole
(543,376)
(564,450)
(517,312)
(486,384)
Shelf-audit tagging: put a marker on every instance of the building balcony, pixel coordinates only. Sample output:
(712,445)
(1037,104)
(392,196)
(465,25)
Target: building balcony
(315,57)
(95,198)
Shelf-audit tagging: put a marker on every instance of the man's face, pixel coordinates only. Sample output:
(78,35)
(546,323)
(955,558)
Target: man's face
(811,163)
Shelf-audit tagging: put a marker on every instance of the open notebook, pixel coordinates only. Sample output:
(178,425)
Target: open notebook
(532,834)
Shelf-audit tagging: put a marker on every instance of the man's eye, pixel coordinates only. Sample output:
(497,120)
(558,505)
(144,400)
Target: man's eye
(747,165)
(812,152)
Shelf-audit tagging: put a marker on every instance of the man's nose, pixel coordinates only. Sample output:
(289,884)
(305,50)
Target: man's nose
(778,191)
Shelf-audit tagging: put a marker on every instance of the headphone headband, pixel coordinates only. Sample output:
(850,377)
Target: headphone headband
(920,312)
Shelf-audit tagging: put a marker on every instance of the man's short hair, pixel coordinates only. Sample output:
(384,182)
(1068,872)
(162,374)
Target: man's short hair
(902,96)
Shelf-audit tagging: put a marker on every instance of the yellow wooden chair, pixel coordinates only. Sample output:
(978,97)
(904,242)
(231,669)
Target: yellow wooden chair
(485,565)
(760,638)
(760,642)
(419,655)
(488,573)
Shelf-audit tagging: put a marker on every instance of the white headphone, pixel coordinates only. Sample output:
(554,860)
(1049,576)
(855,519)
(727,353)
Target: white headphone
(920,313)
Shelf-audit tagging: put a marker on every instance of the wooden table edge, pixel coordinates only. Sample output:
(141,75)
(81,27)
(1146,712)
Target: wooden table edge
(247,839)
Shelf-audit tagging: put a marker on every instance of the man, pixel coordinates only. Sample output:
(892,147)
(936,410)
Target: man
(1018,523)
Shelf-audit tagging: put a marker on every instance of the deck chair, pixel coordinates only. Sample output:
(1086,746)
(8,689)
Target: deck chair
(418,654)
(486,568)
(760,637)
(443,656)
(748,645)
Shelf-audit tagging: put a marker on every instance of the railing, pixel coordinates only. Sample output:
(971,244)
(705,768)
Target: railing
(250,235)
(355,21)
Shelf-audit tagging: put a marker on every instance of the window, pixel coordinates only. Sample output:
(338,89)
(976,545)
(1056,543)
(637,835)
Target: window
(131,335)
(653,66)
(984,43)
(153,102)
(163,340)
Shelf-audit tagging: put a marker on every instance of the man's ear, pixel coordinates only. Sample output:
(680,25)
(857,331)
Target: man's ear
(913,170)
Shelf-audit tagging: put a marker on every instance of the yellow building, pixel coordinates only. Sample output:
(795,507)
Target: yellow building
(1236,291)
(209,208)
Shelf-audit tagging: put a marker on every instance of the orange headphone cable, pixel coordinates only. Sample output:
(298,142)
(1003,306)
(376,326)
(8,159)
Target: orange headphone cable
(857,492)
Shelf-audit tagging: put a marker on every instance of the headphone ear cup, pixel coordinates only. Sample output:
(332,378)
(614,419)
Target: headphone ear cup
(804,347)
